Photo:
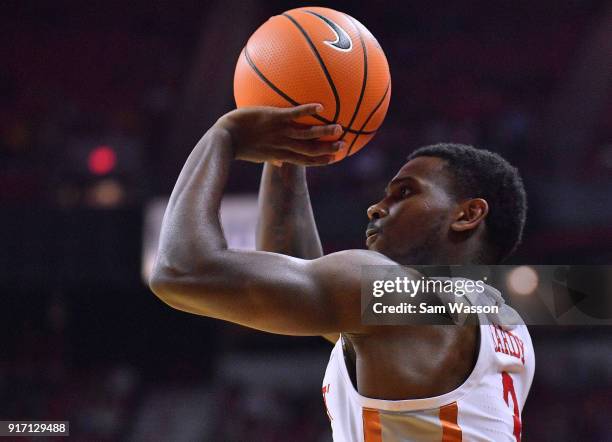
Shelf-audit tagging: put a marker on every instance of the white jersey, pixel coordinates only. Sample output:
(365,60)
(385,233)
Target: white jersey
(486,407)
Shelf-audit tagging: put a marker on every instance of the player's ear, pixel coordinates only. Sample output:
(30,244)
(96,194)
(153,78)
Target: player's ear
(470,213)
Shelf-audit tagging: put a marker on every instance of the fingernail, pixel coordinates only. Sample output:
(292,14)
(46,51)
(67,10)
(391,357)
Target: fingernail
(338,145)
(337,129)
(319,108)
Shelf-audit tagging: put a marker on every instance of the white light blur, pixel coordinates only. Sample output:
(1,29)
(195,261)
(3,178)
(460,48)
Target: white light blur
(523,280)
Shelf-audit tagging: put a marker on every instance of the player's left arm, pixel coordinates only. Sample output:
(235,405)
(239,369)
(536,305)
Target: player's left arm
(196,272)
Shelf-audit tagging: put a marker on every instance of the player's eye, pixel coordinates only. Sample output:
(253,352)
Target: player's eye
(404,192)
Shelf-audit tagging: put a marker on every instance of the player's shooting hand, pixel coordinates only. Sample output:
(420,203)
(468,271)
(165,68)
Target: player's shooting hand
(272,134)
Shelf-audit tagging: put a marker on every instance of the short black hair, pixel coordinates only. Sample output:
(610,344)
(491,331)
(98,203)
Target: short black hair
(479,173)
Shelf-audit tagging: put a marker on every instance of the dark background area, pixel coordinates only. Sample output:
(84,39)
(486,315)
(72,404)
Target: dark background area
(84,340)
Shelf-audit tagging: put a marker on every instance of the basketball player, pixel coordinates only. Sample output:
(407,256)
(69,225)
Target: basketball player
(449,204)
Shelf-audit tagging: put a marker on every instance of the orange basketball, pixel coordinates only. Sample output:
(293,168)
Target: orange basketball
(318,55)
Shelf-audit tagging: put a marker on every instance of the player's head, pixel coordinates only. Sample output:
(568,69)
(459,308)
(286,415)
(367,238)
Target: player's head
(450,204)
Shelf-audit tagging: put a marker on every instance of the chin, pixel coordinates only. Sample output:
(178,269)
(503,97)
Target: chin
(379,246)
(375,247)
(399,259)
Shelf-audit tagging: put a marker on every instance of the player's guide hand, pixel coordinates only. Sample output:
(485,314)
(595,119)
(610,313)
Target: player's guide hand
(272,134)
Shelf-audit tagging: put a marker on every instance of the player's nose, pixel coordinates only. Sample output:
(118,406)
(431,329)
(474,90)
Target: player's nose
(377,211)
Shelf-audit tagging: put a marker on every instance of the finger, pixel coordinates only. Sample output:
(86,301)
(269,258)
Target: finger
(312,148)
(313,132)
(303,110)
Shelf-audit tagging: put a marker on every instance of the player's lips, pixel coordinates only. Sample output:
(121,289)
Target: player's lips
(371,234)
(372,231)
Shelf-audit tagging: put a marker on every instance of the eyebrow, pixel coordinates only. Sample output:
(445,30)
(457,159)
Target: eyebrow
(400,180)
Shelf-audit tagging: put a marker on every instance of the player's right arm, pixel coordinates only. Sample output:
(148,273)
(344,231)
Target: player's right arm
(286,222)
(272,292)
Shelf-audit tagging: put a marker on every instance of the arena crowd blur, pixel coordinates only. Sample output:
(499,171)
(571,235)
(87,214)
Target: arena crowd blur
(101,104)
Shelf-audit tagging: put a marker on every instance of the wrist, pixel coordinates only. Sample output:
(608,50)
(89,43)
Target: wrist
(291,178)
(226,129)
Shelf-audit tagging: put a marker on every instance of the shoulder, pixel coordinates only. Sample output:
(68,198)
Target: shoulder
(346,271)
(355,257)
(357,264)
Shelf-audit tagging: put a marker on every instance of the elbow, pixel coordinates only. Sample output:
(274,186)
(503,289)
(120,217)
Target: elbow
(156,284)
(180,291)
(161,285)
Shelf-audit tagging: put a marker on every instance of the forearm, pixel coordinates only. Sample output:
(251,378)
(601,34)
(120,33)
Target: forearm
(286,222)
(191,233)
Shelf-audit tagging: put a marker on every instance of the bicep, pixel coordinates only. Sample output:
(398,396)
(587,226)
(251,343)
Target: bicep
(272,292)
